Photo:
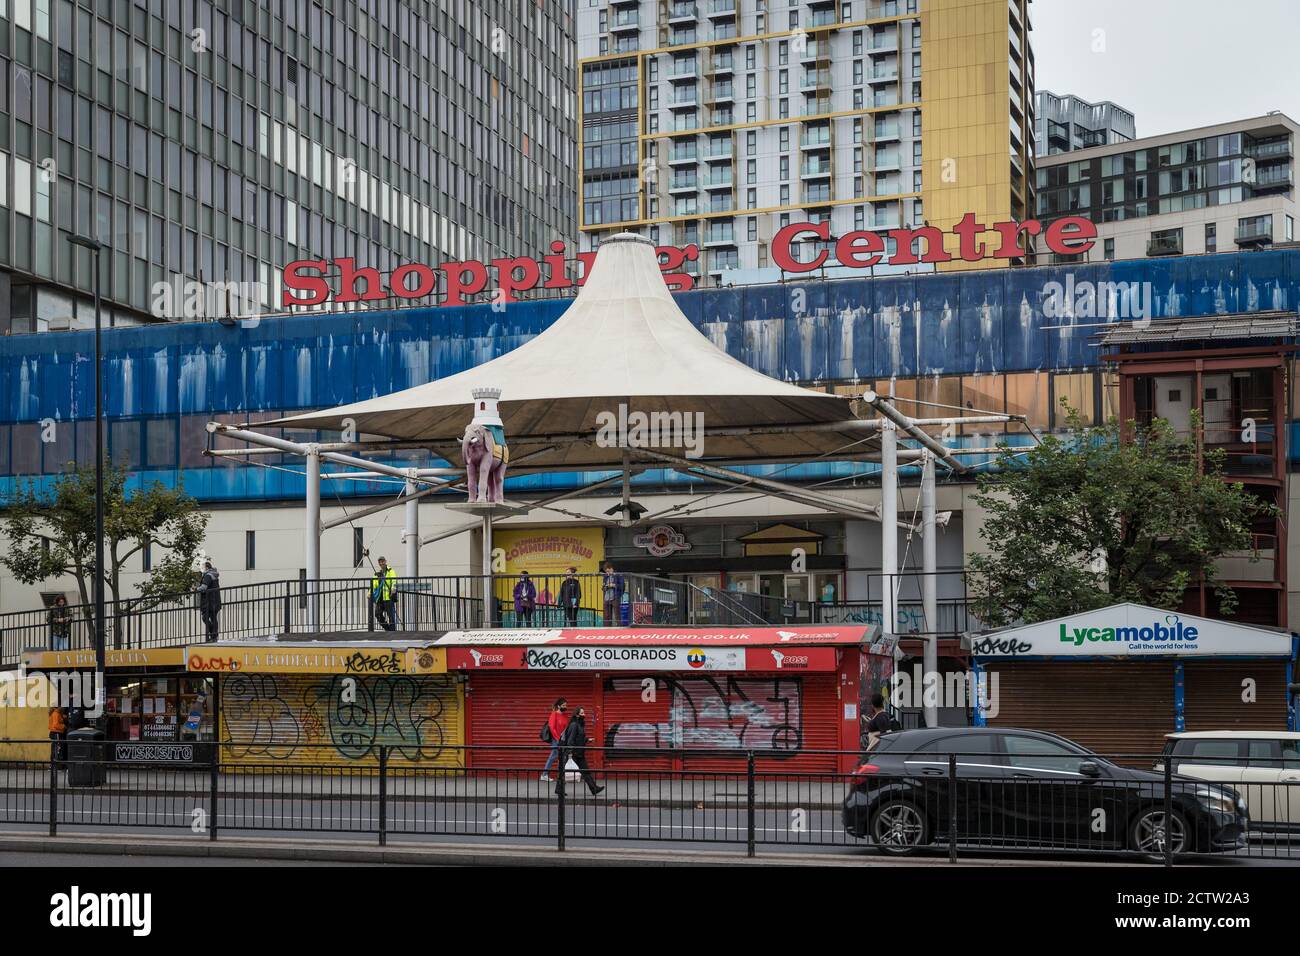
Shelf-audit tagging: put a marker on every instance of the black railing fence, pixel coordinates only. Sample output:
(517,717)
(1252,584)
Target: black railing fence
(957,805)
(252,611)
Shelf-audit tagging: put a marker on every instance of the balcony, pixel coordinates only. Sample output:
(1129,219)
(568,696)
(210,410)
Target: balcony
(719,180)
(883,76)
(720,152)
(1270,178)
(722,93)
(887,161)
(883,44)
(684,184)
(683,100)
(682,13)
(1165,245)
(886,133)
(816,108)
(816,80)
(721,9)
(626,21)
(815,168)
(680,156)
(722,64)
(888,222)
(720,237)
(684,70)
(816,139)
(1255,232)
(1276,149)
(817,195)
(815,51)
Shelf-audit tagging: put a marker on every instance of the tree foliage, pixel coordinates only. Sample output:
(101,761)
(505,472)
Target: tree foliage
(51,533)
(1082,521)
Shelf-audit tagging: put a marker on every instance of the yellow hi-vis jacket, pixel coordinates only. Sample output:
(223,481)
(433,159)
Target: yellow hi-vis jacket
(383,585)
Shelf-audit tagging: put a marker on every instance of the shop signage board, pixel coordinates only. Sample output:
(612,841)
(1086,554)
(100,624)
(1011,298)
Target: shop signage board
(848,634)
(1131,630)
(685,658)
(153,753)
(289,659)
(71,660)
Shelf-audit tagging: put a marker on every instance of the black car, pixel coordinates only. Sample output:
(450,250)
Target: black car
(1025,788)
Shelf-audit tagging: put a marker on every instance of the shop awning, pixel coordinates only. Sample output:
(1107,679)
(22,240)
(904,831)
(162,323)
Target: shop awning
(794,636)
(1182,331)
(1132,631)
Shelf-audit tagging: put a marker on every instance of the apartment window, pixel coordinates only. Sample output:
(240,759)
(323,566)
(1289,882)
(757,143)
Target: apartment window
(750,57)
(859,217)
(785,168)
(1211,237)
(358,548)
(1290,229)
(785,195)
(916,123)
(784,138)
(916,34)
(857,99)
(846,13)
(783,81)
(250,550)
(751,86)
(857,72)
(751,229)
(751,198)
(857,131)
(857,42)
(751,171)
(1109,248)
(783,111)
(782,53)
(916,64)
(794,19)
(916,152)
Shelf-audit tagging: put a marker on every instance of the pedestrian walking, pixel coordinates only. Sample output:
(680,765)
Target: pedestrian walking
(58,732)
(556,723)
(383,593)
(570,597)
(525,599)
(573,746)
(210,599)
(612,587)
(878,721)
(60,624)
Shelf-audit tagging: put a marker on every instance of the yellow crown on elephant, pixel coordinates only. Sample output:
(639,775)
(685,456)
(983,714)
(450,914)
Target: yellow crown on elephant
(485,405)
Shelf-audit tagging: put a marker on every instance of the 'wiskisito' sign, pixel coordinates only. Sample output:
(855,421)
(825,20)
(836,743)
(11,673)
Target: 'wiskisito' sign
(313,282)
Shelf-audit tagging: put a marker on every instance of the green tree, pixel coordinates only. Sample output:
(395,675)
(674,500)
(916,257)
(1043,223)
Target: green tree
(1082,520)
(64,516)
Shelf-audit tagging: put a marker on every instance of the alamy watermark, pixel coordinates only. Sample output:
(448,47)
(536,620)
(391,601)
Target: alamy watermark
(961,690)
(1098,300)
(72,690)
(624,429)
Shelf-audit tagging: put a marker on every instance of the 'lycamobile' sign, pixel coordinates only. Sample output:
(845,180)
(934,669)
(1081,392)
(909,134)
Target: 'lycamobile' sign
(1131,630)
(1172,635)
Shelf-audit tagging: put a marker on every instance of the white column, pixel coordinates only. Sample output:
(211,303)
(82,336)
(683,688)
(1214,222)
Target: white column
(411,533)
(312,536)
(888,525)
(929,593)
(488,592)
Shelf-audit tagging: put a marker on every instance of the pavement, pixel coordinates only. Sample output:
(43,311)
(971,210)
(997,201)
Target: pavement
(201,850)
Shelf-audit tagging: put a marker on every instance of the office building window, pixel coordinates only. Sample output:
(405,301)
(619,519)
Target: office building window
(1211,237)
(358,548)
(1109,248)
(250,550)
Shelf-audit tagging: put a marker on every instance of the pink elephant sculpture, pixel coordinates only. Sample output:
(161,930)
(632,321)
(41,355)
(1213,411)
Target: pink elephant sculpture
(485,463)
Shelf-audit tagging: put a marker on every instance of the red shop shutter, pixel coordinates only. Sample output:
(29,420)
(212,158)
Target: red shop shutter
(508,708)
(631,726)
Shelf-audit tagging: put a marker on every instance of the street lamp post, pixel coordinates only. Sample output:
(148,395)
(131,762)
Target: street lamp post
(95,246)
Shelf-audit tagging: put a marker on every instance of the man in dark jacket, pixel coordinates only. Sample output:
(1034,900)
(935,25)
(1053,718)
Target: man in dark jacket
(573,746)
(612,588)
(525,599)
(210,599)
(570,597)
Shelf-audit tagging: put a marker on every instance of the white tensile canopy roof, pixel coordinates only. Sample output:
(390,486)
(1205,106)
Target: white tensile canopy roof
(622,341)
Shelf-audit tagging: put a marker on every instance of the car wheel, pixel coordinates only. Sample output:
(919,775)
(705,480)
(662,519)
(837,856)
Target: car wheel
(899,827)
(1147,833)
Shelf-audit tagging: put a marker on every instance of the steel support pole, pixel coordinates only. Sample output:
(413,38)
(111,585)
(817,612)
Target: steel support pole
(929,594)
(100,623)
(489,618)
(888,525)
(411,533)
(311,538)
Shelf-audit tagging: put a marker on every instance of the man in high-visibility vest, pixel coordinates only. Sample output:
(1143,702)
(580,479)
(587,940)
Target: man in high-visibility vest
(383,591)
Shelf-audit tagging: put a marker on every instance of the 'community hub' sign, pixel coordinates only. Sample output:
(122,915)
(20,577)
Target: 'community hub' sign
(310,282)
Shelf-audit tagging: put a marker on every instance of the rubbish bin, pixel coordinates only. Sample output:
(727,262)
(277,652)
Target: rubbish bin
(86,753)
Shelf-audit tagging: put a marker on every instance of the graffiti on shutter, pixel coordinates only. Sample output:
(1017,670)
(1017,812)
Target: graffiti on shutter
(734,713)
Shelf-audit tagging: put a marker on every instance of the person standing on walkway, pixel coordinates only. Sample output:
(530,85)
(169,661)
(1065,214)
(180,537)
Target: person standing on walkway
(60,624)
(525,599)
(210,599)
(612,587)
(58,732)
(878,723)
(383,592)
(573,746)
(570,597)
(555,726)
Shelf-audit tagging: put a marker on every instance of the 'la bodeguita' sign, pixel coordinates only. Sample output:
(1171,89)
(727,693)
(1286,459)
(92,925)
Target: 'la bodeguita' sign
(306,282)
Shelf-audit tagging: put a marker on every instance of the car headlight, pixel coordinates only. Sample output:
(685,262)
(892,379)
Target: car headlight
(1218,800)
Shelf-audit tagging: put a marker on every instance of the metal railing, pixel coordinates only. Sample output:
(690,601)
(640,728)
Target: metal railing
(959,805)
(272,608)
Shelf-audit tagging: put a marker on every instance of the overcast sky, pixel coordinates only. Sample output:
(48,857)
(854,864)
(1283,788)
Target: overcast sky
(1176,64)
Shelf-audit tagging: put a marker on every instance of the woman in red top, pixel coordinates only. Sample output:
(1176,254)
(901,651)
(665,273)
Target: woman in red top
(556,723)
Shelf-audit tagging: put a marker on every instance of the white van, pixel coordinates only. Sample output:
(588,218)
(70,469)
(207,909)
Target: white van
(1262,765)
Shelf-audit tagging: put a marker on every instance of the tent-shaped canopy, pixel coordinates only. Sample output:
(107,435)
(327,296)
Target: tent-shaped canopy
(625,342)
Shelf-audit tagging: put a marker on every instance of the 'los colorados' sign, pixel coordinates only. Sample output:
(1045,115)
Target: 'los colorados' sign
(1131,630)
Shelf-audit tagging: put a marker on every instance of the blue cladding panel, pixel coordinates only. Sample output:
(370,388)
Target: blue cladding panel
(869,329)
